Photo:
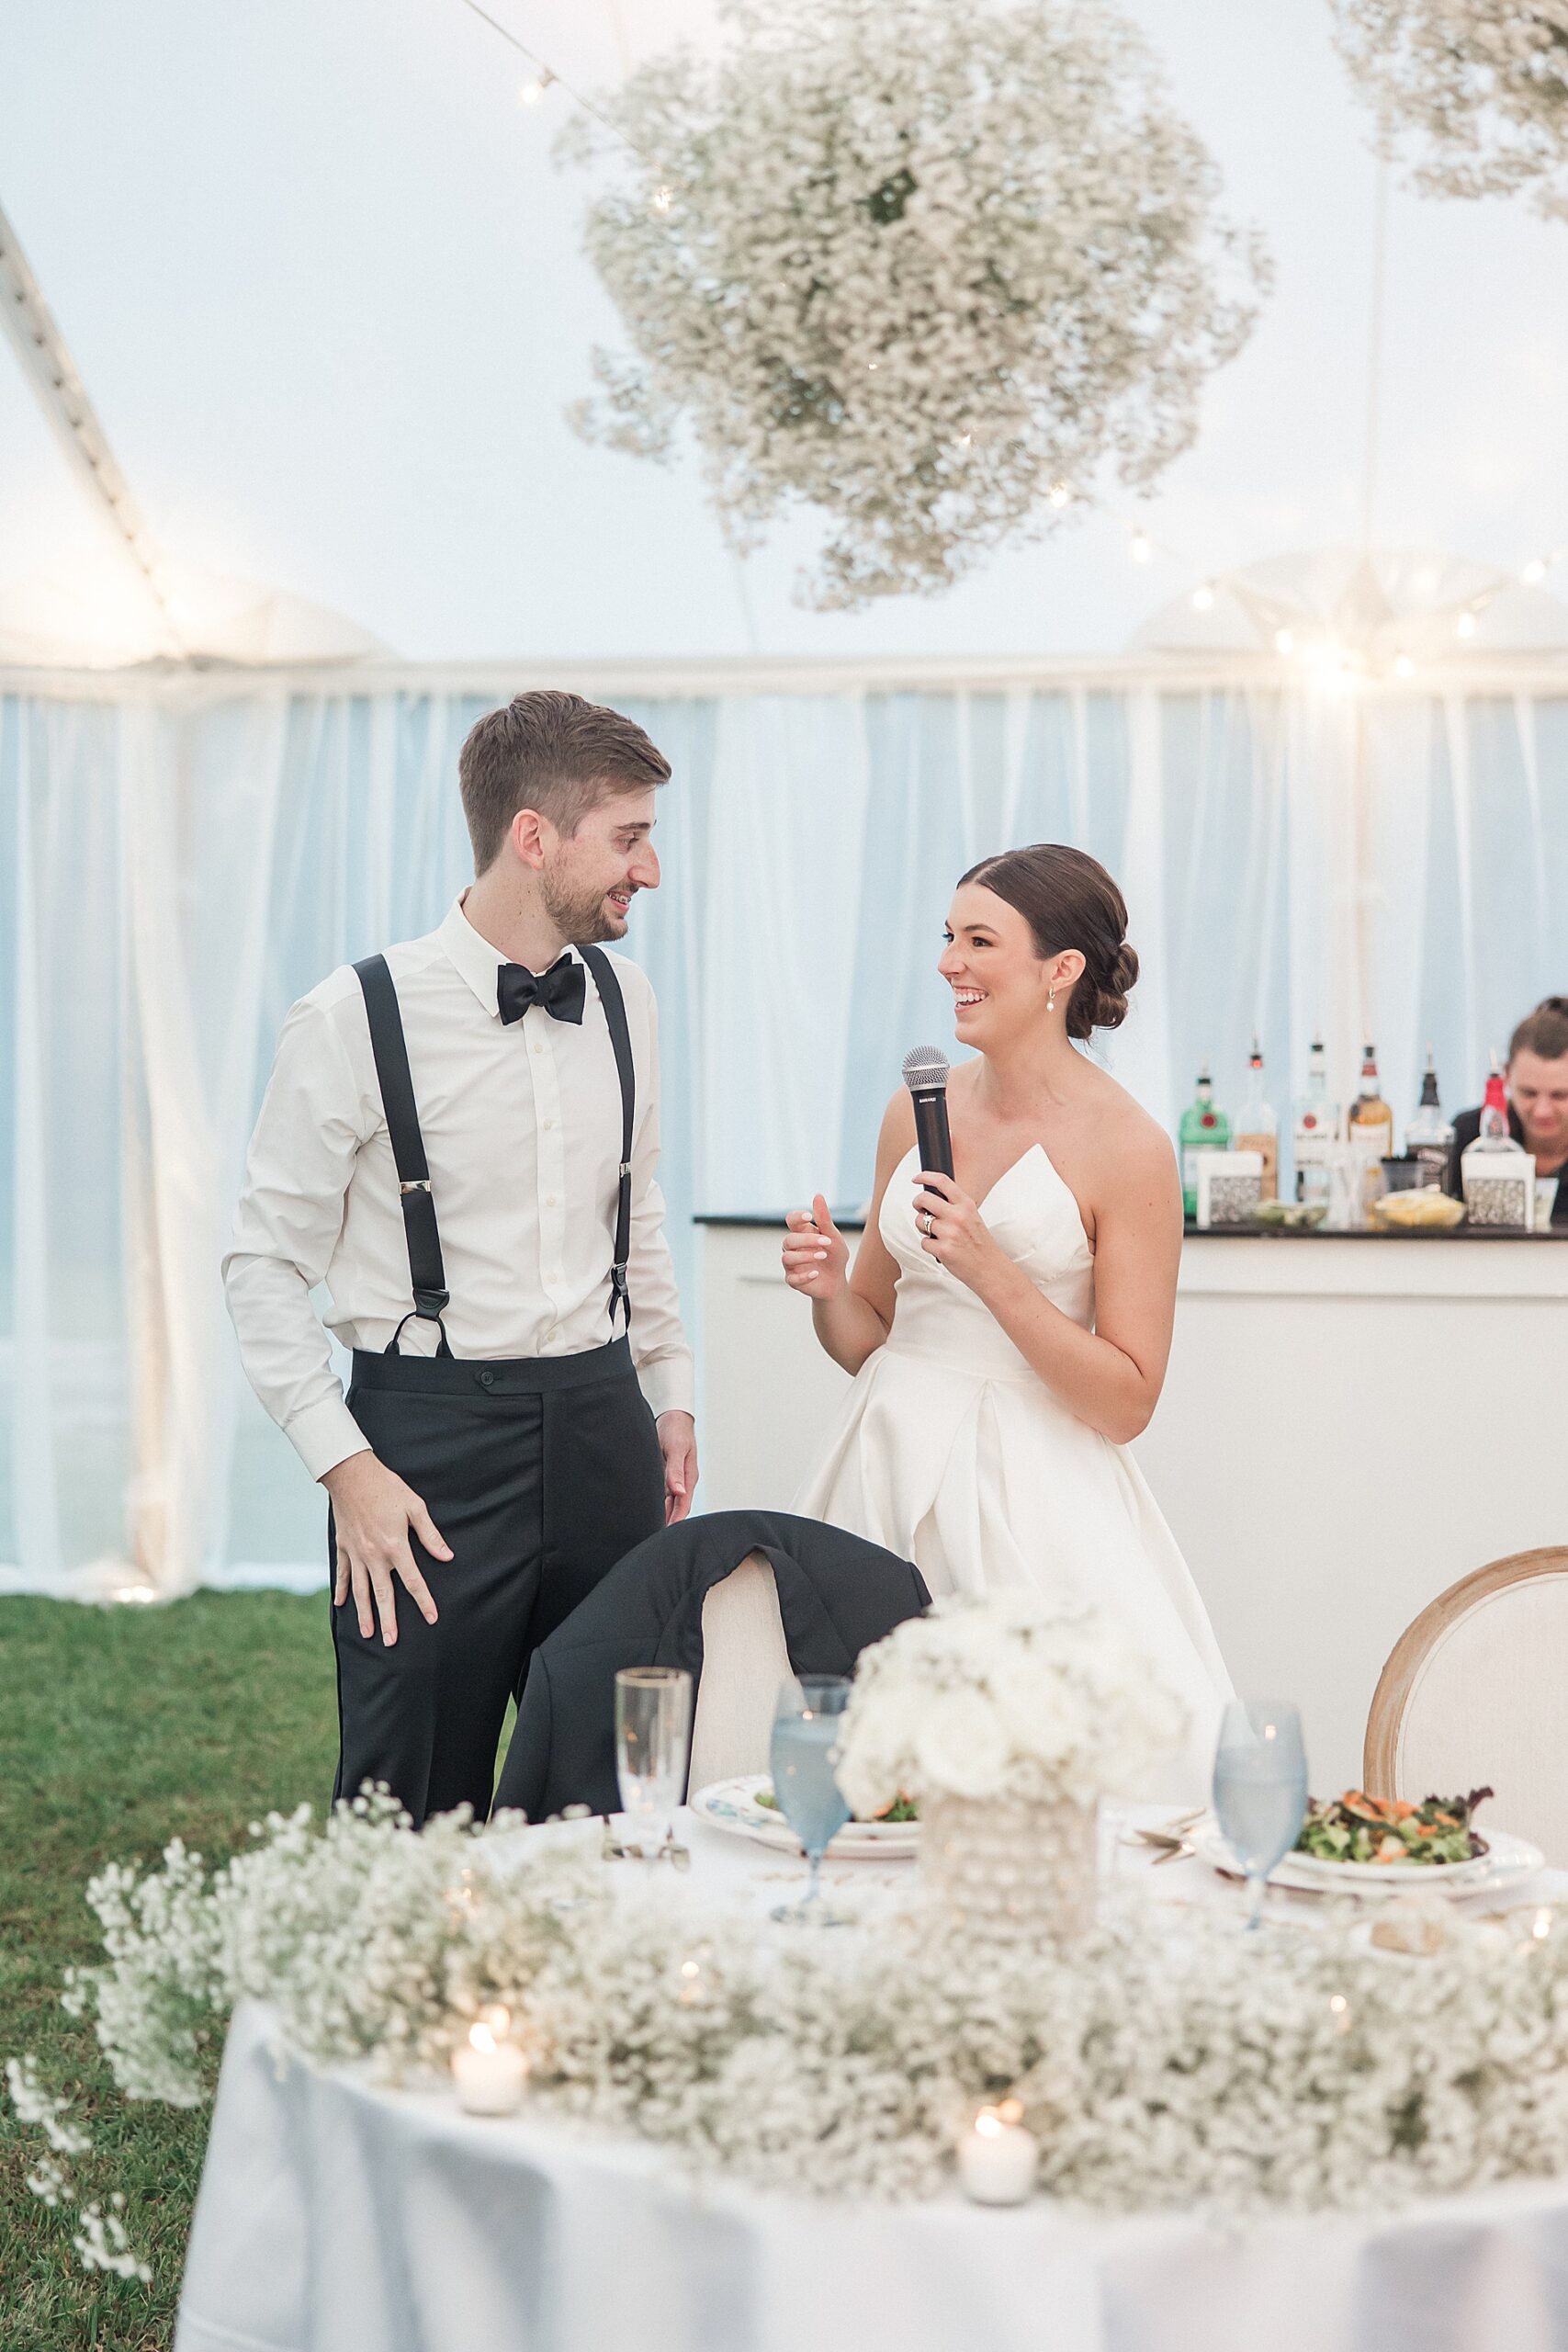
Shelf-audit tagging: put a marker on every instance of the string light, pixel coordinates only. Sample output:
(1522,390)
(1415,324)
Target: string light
(1465,625)
(1204,596)
(1058,495)
(1284,641)
(547,77)
(1403,667)
(662,200)
(1536,569)
(1140,547)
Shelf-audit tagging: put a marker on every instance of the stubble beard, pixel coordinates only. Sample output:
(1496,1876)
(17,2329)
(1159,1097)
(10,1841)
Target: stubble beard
(584,920)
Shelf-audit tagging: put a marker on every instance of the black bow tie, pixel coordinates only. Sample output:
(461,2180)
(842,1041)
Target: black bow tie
(562,991)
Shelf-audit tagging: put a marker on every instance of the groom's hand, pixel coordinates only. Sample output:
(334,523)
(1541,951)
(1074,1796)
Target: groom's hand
(372,1514)
(678,1444)
(816,1255)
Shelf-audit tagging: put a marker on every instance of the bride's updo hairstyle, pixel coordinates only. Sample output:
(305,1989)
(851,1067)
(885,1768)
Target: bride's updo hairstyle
(1068,900)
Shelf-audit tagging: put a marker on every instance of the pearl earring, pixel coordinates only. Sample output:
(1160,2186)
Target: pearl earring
(1051,1001)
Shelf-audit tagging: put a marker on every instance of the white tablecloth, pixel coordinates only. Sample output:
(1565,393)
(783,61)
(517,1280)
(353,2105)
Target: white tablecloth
(336,2216)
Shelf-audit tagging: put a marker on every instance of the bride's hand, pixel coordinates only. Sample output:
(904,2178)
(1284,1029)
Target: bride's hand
(816,1255)
(954,1232)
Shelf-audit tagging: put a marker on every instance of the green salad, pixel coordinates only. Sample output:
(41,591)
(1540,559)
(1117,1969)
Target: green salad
(1359,1829)
(901,1808)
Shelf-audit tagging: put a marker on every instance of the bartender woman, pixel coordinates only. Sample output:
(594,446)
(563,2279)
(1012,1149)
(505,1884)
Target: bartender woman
(1537,1097)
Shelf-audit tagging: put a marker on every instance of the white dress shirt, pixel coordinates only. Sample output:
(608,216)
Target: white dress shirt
(522,1127)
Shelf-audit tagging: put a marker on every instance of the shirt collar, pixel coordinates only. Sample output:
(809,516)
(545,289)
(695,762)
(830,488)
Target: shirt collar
(472,956)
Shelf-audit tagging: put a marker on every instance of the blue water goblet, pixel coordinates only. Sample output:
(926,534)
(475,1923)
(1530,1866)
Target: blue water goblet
(807,1723)
(1260,1789)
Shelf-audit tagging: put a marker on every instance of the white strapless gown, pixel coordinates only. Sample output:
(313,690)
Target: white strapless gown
(950,1450)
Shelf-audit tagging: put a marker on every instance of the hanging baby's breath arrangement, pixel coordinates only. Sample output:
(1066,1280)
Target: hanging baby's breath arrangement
(1476,92)
(913,265)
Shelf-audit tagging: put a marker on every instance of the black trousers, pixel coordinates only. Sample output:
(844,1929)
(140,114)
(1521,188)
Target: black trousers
(540,1474)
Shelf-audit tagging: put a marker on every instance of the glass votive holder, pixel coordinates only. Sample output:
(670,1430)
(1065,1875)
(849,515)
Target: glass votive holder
(490,2069)
(997,2157)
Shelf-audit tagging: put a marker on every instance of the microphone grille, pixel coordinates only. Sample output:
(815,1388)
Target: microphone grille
(925,1066)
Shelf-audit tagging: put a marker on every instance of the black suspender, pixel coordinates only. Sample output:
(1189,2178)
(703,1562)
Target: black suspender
(390,1047)
(615,1006)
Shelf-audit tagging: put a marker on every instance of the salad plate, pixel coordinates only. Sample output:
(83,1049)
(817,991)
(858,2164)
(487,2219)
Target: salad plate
(1500,1861)
(742,1808)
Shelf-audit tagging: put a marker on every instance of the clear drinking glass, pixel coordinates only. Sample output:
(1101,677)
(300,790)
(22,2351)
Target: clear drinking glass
(807,1723)
(653,1733)
(1261,1788)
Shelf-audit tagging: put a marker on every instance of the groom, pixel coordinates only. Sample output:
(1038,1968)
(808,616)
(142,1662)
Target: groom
(459,1139)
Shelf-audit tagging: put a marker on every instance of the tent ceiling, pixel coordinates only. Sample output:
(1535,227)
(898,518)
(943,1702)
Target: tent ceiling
(324,285)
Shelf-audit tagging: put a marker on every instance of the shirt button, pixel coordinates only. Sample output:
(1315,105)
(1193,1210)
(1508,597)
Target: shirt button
(548,1124)
(549,1199)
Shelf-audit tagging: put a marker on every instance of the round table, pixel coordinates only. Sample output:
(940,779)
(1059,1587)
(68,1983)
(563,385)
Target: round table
(339,2215)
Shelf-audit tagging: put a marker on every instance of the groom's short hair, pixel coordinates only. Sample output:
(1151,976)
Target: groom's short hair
(554,752)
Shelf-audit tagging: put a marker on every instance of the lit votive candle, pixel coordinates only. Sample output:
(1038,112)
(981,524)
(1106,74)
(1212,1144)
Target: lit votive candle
(997,2157)
(489,2069)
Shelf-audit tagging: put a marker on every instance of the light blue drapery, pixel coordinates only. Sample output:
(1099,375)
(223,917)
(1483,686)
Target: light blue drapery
(178,865)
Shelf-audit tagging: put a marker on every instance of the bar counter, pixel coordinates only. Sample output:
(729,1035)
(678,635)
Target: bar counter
(1351,1422)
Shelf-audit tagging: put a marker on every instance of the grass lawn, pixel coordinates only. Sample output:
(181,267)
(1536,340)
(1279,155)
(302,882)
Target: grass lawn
(119,1729)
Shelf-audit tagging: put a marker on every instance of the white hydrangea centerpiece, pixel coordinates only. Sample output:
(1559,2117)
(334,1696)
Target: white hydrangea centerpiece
(924,269)
(1012,1695)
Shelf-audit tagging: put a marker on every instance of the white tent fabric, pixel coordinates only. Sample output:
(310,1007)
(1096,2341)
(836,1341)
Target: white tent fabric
(177,863)
(92,611)
(325,288)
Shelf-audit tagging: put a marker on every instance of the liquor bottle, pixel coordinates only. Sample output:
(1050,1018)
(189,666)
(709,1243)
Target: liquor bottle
(1429,1137)
(1317,1122)
(1495,1133)
(1204,1127)
(1371,1126)
(1258,1125)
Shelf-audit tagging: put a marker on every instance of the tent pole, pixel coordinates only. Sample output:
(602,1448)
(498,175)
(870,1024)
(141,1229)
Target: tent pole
(63,396)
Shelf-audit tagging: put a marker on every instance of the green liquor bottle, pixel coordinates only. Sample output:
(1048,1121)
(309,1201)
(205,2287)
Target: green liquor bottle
(1204,1127)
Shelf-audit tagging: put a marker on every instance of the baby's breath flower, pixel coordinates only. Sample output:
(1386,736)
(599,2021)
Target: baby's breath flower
(1162,2060)
(912,265)
(1476,92)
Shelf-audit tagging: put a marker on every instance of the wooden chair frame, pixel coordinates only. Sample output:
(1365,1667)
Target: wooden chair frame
(1415,1645)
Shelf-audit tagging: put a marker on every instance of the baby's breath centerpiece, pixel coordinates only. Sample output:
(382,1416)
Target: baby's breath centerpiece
(924,268)
(1007,1717)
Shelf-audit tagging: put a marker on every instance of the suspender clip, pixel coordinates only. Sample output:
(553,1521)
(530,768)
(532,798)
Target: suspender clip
(418,1184)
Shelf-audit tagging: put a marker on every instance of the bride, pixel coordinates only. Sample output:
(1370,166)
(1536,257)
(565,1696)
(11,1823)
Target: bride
(1007,1327)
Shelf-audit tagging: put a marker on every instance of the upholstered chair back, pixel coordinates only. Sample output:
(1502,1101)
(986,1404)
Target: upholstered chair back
(1476,1692)
(744,1661)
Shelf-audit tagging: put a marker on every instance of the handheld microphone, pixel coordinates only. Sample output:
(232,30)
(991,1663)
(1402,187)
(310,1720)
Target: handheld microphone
(925,1075)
